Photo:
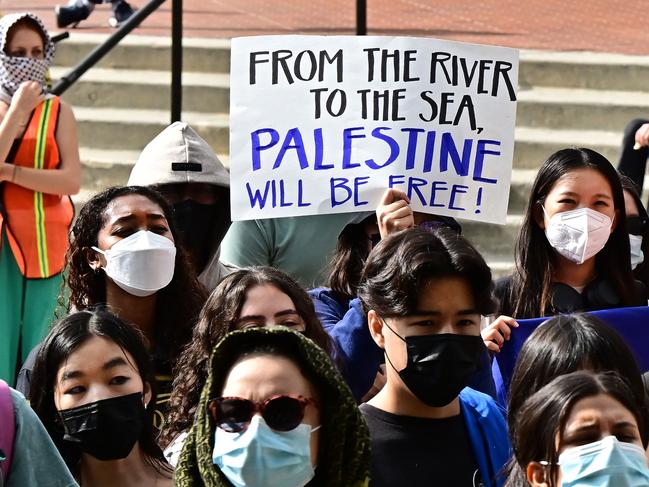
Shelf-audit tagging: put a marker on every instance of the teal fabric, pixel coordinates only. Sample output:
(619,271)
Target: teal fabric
(27,309)
(36,461)
(300,246)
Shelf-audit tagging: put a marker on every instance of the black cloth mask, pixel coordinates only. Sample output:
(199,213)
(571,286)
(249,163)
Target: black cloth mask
(440,365)
(106,429)
(196,222)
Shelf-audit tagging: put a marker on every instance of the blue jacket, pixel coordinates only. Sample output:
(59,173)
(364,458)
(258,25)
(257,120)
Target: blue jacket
(346,323)
(485,422)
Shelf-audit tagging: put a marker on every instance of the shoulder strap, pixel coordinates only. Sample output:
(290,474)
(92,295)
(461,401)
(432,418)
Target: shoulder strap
(7,428)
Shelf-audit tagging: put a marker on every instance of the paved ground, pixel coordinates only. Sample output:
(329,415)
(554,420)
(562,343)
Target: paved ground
(595,25)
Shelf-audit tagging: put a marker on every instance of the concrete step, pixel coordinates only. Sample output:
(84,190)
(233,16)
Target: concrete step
(147,89)
(124,129)
(572,108)
(494,240)
(147,52)
(533,145)
(537,68)
(599,71)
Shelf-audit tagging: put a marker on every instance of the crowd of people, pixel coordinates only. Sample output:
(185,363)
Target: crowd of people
(158,343)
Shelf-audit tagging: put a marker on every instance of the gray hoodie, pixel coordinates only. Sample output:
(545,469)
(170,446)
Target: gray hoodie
(179,155)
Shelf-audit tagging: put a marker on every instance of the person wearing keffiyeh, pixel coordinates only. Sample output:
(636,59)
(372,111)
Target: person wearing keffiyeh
(343,455)
(39,168)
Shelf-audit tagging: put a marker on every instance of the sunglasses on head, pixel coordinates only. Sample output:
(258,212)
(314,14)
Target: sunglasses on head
(636,225)
(284,412)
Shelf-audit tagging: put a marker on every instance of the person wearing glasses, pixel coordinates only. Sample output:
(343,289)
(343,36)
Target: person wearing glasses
(340,310)
(637,222)
(424,294)
(93,389)
(248,298)
(274,412)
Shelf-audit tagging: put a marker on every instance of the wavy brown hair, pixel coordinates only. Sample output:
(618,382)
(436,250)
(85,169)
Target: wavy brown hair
(219,317)
(178,304)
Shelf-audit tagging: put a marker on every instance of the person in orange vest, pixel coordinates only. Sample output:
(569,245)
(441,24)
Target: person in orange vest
(39,168)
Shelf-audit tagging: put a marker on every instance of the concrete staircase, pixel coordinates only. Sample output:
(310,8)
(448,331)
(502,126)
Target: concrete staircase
(565,99)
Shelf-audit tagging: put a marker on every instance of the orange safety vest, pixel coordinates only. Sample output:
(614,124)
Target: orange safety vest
(37,223)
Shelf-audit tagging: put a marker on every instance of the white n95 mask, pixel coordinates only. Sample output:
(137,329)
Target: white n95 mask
(578,234)
(142,263)
(637,255)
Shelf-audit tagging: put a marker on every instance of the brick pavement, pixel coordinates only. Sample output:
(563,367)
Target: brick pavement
(597,25)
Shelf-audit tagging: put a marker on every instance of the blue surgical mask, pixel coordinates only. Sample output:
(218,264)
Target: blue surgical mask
(604,463)
(260,456)
(637,256)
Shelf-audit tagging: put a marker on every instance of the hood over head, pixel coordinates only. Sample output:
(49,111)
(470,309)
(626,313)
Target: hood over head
(344,446)
(178,155)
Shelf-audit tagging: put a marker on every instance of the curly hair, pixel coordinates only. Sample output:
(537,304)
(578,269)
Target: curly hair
(219,317)
(178,304)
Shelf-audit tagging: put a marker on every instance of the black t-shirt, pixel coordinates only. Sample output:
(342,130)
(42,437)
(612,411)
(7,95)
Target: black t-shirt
(420,451)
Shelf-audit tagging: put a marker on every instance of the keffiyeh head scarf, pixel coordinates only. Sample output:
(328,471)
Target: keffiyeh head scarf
(15,70)
(344,447)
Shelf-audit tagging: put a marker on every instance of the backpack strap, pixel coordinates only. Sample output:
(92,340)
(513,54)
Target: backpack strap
(7,428)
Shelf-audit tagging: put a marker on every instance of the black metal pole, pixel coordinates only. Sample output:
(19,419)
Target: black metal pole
(176,59)
(361,17)
(100,51)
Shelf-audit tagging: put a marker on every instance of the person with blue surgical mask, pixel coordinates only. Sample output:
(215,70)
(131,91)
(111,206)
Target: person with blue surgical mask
(580,430)
(274,412)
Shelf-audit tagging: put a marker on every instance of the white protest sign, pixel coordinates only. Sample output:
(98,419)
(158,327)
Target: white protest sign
(325,124)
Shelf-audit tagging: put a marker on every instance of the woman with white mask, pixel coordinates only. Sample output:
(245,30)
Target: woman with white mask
(122,253)
(572,253)
(582,429)
(638,226)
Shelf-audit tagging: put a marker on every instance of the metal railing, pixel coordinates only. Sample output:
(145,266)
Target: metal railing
(133,21)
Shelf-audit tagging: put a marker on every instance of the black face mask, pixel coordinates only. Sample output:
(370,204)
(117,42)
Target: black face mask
(439,366)
(106,429)
(201,229)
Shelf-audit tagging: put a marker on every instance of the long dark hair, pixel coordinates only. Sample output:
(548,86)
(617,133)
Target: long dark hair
(543,416)
(178,304)
(61,342)
(218,317)
(566,344)
(347,263)
(641,272)
(530,293)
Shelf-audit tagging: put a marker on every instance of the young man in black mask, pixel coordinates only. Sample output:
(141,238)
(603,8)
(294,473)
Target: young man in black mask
(424,294)
(183,167)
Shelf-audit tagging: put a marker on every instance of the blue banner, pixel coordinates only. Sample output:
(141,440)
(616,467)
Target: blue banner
(631,323)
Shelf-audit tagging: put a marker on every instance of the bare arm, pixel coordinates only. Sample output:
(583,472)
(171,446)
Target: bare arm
(65,179)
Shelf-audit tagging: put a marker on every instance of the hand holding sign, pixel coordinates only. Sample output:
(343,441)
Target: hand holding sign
(324,124)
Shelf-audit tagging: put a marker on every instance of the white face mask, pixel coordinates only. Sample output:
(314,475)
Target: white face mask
(637,255)
(142,263)
(578,234)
